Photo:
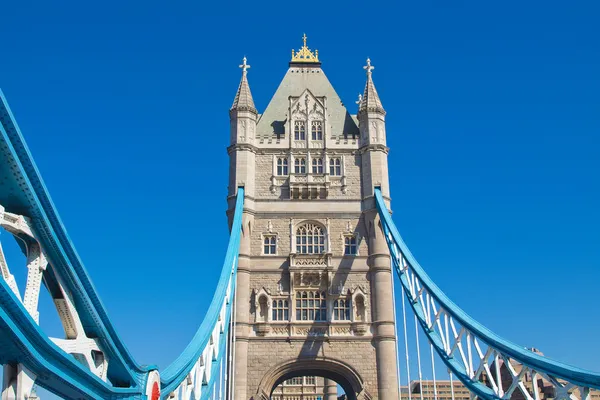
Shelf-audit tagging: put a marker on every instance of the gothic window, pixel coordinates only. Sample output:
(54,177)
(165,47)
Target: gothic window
(311,306)
(310,239)
(293,381)
(317,165)
(300,165)
(299,130)
(341,310)
(350,245)
(335,167)
(317,130)
(281,310)
(270,244)
(282,166)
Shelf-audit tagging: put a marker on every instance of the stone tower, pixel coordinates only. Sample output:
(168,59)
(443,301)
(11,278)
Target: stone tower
(314,294)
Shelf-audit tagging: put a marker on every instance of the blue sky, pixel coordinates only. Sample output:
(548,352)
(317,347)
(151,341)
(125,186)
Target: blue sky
(493,124)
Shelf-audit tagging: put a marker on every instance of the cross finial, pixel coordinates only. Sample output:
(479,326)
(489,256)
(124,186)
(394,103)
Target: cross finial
(369,67)
(304,39)
(244,66)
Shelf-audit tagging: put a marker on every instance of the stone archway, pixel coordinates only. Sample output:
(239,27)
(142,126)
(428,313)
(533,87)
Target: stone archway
(346,376)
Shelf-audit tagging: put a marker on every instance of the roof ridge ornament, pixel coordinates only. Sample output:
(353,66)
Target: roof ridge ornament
(304,55)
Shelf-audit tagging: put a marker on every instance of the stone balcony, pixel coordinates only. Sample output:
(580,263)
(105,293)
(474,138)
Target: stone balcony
(310,261)
(309,186)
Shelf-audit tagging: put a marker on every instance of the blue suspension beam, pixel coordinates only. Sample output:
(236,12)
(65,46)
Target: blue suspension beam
(470,351)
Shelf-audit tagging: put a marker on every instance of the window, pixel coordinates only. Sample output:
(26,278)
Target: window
(311,306)
(282,166)
(299,130)
(310,239)
(281,310)
(294,381)
(317,165)
(300,165)
(317,130)
(341,310)
(350,246)
(309,380)
(270,244)
(335,167)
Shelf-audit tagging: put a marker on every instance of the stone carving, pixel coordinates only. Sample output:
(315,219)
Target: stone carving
(311,331)
(280,330)
(300,178)
(262,329)
(300,144)
(342,330)
(301,261)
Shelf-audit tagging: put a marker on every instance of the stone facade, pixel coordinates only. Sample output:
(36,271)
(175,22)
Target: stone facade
(314,280)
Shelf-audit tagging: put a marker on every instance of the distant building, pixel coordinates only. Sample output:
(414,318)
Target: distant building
(300,388)
(545,388)
(440,390)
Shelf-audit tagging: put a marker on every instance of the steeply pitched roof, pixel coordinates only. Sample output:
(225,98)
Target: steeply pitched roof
(243,98)
(370,100)
(295,82)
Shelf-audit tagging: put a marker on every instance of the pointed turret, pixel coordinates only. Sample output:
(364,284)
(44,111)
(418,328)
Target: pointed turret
(242,117)
(371,123)
(243,98)
(370,101)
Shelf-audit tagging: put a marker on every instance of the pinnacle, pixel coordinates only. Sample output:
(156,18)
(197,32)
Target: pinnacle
(243,98)
(370,100)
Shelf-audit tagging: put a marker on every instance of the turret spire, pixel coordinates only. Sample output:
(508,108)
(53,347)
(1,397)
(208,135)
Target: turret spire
(243,99)
(370,100)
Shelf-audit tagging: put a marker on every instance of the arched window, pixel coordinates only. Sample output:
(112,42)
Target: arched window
(317,130)
(299,130)
(341,310)
(317,165)
(282,166)
(311,306)
(310,239)
(300,165)
(335,167)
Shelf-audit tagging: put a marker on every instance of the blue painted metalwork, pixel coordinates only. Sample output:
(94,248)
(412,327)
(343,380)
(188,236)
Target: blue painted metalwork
(23,192)
(175,373)
(409,271)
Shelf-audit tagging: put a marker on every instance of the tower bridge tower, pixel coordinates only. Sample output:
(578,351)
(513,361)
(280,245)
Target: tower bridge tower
(314,288)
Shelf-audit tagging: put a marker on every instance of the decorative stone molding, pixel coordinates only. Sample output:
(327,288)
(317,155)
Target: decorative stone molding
(262,329)
(360,328)
(262,305)
(310,331)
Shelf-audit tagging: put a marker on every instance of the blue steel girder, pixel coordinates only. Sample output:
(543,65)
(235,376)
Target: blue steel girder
(438,317)
(192,361)
(22,191)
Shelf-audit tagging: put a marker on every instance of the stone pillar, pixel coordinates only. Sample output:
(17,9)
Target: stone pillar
(242,312)
(383,312)
(330,390)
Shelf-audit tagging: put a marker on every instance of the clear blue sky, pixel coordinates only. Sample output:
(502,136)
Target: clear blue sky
(493,123)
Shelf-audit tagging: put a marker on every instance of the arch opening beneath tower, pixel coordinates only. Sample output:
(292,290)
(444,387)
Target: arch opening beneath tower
(336,370)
